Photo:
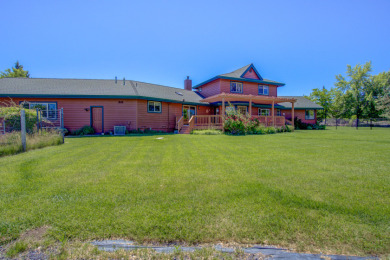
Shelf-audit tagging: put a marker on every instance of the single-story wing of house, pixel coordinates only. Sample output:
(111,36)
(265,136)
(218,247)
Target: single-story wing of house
(104,104)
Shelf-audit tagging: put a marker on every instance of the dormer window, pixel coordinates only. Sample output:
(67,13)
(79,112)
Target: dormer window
(263,90)
(235,87)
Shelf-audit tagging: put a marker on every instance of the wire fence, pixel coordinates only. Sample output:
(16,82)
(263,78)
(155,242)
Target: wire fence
(371,122)
(44,120)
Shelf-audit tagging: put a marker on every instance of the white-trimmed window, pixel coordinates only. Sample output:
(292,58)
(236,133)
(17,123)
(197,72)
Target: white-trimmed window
(309,114)
(278,112)
(264,112)
(230,109)
(49,109)
(154,107)
(242,109)
(263,90)
(236,87)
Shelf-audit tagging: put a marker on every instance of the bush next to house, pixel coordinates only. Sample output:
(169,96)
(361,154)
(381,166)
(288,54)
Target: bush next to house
(85,130)
(240,124)
(305,126)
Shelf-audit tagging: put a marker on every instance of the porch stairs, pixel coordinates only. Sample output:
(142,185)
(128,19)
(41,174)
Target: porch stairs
(185,130)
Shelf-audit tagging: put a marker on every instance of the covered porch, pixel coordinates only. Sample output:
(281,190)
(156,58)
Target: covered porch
(246,101)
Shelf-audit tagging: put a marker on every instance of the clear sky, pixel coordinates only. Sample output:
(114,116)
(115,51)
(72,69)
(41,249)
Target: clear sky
(301,43)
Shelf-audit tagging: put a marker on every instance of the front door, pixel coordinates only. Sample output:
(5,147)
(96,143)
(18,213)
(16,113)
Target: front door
(191,111)
(97,119)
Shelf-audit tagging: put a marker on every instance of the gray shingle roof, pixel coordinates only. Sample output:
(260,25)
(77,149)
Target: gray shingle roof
(302,102)
(44,87)
(236,75)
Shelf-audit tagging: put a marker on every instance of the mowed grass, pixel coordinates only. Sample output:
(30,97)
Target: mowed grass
(313,191)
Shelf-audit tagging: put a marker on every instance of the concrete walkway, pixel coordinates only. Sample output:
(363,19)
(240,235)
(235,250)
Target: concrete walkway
(268,252)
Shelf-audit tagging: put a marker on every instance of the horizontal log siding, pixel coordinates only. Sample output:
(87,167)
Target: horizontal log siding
(115,113)
(210,89)
(249,88)
(300,113)
(164,121)
(75,116)
(204,110)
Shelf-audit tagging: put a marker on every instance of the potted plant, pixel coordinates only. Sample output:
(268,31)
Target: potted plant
(185,116)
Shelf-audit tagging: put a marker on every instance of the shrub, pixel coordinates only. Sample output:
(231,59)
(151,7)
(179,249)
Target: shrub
(270,130)
(85,130)
(11,115)
(207,132)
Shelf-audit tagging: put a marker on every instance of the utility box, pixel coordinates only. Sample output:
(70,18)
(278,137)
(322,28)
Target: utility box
(119,130)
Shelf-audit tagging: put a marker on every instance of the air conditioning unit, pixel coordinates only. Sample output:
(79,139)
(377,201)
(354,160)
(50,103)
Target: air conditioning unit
(119,130)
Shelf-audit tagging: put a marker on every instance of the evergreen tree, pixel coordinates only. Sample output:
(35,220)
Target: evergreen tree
(15,72)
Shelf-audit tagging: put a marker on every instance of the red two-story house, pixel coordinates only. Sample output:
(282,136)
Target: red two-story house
(103,104)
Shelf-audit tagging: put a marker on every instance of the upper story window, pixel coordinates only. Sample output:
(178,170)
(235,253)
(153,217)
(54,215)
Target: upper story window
(309,114)
(49,109)
(263,90)
(235,87)
(154,107)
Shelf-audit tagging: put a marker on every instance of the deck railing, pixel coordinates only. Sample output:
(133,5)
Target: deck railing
(180,123)
(199,122)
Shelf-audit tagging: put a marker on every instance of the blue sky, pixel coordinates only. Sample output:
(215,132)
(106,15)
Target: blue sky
(301,43)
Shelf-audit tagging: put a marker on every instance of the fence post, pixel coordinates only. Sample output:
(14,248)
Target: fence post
(62,125)
(23,128)
(37,120)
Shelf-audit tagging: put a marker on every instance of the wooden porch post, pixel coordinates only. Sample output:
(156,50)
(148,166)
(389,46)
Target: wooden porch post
(223,115)
(250,107)
(273,113)
(292,114)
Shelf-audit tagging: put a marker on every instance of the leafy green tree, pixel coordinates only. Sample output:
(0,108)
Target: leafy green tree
(356,94)
(325,98)
(383,101)
(15,72)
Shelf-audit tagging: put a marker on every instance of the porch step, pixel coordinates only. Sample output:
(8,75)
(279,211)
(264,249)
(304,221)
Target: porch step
(185,130)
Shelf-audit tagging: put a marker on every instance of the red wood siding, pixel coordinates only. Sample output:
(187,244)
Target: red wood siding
(115,113)
(248,88)
(210,89)
(251,74)
(164,121)
(204,110)
(300,113)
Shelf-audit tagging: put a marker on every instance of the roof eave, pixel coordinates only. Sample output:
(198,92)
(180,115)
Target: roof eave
(101,96)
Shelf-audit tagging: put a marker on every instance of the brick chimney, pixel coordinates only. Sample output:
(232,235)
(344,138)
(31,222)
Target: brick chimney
(188,84)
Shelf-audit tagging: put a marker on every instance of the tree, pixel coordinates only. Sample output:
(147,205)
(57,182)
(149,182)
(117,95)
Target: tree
(325,98)
(383,101)
(16,72)
(356,95)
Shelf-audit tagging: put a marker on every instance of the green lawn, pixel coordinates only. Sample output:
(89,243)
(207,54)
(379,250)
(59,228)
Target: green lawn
(314,191)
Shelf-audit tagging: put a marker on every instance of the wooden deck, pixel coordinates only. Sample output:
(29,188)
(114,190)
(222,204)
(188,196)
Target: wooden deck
(201,122)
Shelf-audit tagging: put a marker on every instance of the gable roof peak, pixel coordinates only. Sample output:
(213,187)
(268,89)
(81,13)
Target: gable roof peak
(239,73)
